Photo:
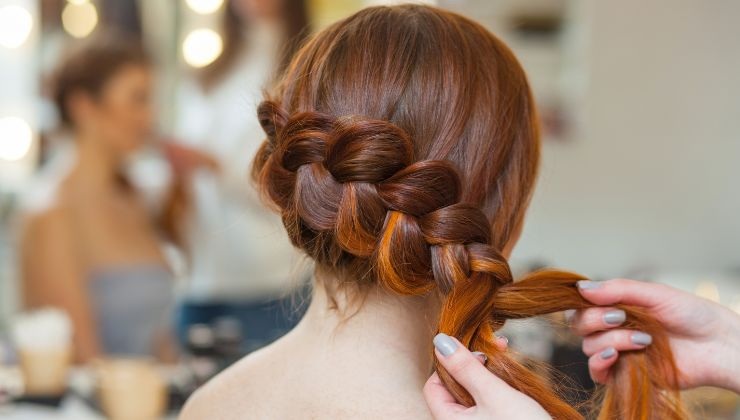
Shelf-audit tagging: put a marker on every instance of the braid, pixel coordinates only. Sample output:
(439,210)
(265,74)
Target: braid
(352,196)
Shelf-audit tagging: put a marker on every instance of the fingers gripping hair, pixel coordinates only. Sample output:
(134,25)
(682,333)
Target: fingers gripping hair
(352,196)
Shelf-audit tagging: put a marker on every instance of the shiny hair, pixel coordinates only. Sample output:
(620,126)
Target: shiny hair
(402,149)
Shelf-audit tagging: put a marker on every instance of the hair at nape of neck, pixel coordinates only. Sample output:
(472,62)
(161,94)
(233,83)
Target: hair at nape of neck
(353,198)
(395,161)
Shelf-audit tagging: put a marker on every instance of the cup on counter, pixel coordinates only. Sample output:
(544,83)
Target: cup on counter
(43,342)
(130,389)
(45,370)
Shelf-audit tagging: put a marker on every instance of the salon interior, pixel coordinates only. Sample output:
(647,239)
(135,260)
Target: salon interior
(121,302)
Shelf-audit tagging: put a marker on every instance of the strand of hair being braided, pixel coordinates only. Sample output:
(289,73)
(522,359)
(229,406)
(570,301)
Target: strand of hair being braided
(353,198)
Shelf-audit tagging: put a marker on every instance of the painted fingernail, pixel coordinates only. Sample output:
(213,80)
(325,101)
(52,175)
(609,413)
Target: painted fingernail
(615,317)
(569,314)
(641,338)
(588,284)
(480,355)
(445,344)
(503,337)
(608,353)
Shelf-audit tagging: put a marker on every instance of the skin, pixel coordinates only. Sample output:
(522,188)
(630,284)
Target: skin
(704,338)
(362,356)
(93,221)
(494,398)
(365,361)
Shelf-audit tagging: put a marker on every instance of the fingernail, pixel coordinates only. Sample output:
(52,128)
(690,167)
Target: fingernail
(608,353)
(481,356)
(641,338)
(503,337)
(569,314)
(588,284)
(445,344)
(615,317)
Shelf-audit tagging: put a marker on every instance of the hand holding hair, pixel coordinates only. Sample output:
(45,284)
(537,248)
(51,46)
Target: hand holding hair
(704,336)
(494,398)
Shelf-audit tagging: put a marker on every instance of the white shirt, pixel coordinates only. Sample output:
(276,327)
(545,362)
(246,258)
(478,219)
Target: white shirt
(239,249)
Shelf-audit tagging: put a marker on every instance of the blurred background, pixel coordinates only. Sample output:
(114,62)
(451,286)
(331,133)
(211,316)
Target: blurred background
(126,132)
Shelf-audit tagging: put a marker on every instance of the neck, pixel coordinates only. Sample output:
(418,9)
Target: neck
(384,331)
(95,166)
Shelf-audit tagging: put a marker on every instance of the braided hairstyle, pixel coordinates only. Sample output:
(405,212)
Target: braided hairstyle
(402,149)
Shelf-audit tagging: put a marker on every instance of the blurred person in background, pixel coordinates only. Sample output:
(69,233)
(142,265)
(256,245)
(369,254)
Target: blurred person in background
(90,247)
(241,261)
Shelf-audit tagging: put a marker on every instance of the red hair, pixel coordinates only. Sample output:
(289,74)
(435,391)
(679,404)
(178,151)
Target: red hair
(402,149)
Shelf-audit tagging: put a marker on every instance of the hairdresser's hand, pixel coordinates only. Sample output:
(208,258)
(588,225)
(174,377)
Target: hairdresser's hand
(185,159)
(494,398)
(704,336)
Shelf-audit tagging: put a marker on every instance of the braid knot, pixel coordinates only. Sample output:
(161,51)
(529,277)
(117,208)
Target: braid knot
(351,193)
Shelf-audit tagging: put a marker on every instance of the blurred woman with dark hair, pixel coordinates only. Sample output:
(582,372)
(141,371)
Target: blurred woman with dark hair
(92,249)
(238,252)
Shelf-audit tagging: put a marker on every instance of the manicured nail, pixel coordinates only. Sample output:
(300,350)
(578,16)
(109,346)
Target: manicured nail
(641,338)
(588,284)
(445,344)
(615,317)
(569,314)
(503,337)
(480,355)
(608,353)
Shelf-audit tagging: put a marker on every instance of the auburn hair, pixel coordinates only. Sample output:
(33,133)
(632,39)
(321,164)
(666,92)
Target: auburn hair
(402,149)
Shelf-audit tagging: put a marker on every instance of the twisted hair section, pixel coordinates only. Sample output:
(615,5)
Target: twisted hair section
(352,196)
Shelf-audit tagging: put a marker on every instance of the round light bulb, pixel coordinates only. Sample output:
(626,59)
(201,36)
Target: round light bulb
(201,47)
(204,7)
(79,19)
(15,138)
(15,26)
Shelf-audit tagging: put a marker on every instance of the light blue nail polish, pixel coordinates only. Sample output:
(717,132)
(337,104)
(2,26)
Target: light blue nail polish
(569,314)
(588,284)
(641,338)
(615,317)
(445,344)
(608,353)
(481,355)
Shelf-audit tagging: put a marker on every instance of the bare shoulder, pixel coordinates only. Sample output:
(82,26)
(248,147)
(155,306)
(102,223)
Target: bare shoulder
(275,384)
(239,392)
(40,225)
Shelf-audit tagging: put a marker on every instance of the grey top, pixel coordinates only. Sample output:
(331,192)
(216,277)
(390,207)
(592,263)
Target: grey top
(131,305)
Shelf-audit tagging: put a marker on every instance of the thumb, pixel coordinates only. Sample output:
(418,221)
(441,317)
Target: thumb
(467,370)
(441,403)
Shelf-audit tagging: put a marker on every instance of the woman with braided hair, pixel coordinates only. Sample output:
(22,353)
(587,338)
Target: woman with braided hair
(401,153)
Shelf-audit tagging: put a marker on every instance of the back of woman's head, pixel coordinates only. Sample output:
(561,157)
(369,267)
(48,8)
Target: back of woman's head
(402,151)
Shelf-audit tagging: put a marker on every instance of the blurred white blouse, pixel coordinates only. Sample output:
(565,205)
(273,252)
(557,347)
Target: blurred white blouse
(239,249)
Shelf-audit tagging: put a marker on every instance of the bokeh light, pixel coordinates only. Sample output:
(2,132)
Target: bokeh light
(707,290)
(201,47)
(79,18)
(15,138)
(15,26)
(204,7)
